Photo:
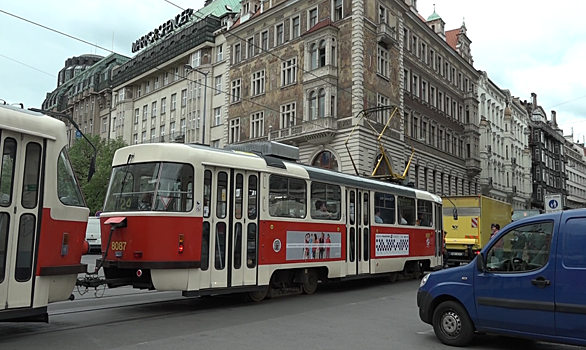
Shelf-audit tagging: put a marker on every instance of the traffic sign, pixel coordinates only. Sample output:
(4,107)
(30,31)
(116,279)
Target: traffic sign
(553,203)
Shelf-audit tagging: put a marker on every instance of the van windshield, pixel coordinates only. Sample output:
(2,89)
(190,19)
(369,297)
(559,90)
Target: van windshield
(155,186)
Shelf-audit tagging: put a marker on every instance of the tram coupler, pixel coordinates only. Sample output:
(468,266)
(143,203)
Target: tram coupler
(90,282)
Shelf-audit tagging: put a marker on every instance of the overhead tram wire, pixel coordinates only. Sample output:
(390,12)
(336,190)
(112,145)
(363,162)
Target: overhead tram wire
(24,64)
(56,31)
(278,57)
(159,69)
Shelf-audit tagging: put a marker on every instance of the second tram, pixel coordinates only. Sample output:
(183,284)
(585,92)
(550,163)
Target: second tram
(208,221)
(42,216)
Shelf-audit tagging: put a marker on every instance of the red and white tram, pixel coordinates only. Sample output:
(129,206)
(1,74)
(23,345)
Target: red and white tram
(42,216)
(208,221)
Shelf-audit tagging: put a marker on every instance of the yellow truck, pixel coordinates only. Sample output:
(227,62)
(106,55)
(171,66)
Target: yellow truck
(470,230)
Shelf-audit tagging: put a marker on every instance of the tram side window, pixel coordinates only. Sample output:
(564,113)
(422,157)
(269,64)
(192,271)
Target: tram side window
(4,224)
(221,193)
(287,197)
(406,209)
(252,198)
(238,196)
(7,173)
(325,201)
(24,250)
(68,189)
(32,167)
(384,208)
(424,213)
(207,193)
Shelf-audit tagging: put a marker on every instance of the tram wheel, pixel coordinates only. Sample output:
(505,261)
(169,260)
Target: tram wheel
(417,272)
(310,286)
(393,277)
(258,295)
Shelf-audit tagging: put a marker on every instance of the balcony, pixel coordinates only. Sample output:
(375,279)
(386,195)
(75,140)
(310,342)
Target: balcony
(327,71)
(473,167)
(318,131)
(486,185)
(386,33)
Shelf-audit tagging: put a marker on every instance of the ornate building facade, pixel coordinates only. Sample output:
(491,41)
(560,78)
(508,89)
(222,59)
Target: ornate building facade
(576,171)
(504,146)
(303,73)
(84,93)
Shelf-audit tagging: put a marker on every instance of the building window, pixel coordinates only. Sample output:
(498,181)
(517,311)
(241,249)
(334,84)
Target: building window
(237,53)
(289,72)
(250,47)
(138,90)
(147,87)
(135,139)
(321,103)
(258,83)
(217,116)
(235,130)
(295,28)
(322,53)
(257,125)
(313,56)
(163,105)
(153,134)
(162,133)
(145,112)
(235,90)
(218,85)
(311,18)
(264,40)
(312,105)
(415,90)
(156,83)
(383,61)
(382,115)
(154,109)
(326,160)
(423,91)
(183,98)
(279,34)
(288,115)
(219,53)
(173,102)
(143,137)
(136,115)
(338,10)
(196,59)
(166,78)
(176,75)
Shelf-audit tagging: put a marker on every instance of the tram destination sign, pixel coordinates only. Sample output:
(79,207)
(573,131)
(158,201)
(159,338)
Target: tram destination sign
(163,30)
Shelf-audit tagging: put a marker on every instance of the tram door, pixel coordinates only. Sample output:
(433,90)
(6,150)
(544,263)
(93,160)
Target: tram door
(19,206)
(363,232)
(243,236)
(352,224)
(216,224)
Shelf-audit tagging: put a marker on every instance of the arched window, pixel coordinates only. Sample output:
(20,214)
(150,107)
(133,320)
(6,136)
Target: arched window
(322,53)
(312,105)
(326,160)
(313,56)
(333,53)
(321,102)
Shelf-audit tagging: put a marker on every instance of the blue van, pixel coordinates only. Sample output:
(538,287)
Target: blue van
(529,281)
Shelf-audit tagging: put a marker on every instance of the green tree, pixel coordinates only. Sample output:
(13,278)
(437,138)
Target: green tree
(81,154)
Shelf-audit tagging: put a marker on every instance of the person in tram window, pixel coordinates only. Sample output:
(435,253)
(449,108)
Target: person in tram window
(402,220)
(146,201)
(321,211)
(421,220)
(377,218)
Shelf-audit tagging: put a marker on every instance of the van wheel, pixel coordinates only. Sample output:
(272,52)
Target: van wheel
(452,324)
(310,286)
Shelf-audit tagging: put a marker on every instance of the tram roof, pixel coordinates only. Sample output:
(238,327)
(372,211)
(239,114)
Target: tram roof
(31,123)
(245,160)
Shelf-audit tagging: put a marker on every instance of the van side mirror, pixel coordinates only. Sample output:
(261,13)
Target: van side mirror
(480,263)
(455,212)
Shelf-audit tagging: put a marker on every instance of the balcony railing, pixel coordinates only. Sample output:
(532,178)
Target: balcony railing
(318,130)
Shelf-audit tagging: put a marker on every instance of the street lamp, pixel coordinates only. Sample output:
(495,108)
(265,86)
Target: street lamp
(205,84)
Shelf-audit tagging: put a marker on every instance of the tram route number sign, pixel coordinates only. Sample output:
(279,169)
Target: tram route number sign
(553,203)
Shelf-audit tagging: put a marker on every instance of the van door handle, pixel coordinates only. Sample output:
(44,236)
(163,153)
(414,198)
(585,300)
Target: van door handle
(541,282)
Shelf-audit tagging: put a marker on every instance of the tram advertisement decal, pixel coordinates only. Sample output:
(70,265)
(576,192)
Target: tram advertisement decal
(303,245)
(391,245)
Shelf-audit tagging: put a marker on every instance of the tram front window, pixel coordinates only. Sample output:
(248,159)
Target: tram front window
(155,186)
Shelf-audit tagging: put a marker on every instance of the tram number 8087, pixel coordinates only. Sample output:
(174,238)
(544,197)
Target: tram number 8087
(118,245)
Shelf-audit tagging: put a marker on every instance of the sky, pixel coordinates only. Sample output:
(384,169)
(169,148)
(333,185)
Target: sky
(525,46)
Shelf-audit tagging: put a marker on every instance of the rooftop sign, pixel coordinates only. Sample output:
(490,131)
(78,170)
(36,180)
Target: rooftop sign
(163,30)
